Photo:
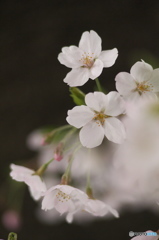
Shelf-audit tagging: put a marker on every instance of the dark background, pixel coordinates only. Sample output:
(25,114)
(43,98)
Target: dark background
(32,92)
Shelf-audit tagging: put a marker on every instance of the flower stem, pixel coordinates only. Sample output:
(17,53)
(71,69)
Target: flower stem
(42,169)
(99,87)
(66,176)
(88,186)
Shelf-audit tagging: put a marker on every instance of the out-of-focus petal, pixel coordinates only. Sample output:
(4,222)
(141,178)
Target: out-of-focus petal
(155,80)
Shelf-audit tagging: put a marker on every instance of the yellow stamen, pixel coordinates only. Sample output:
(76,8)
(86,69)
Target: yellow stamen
(144,87)
(100,118)
(87,60)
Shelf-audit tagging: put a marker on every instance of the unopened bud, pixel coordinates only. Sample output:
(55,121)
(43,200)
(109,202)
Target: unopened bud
(58,154)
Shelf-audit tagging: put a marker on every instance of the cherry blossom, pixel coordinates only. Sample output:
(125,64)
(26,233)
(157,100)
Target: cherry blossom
(98,119)
(87,60)
(141,82)
(65,199)
(22,174)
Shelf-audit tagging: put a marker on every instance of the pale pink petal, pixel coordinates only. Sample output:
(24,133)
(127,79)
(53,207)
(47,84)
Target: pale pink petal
(91,135)
(60,206)
(115,104)
(155,80)
(91,43)
(114,130)
(48,200)
(141,71)
(96,69)
(148,96)
(69,217)
(108,57)
(133,96)
(99,208)
(70,57)
(125,83)
(77,77)
(79,116)
(19,173)
(36,186)
(96,101)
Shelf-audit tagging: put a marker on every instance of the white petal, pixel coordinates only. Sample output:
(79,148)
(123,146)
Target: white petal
(109,57)
(99,208)
(96,101)
(36,186)
(70,57)
(149,96)
(96,69)
(115,104)
(19,173)
(141,71)
(77,77)
(60,206)
(69,217)
(155,80)
(96,207)
(91,43)
(112,210)
(48,200)
(114,130)
(125,83)
(91,135)
(79,116)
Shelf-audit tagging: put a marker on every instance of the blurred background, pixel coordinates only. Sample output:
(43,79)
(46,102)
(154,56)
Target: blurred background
(32,92)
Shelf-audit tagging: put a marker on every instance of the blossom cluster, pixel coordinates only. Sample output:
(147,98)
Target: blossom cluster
(107,155)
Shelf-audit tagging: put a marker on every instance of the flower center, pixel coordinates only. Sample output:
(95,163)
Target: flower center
(144,87)
(87,60)
(99,118)
(61,196)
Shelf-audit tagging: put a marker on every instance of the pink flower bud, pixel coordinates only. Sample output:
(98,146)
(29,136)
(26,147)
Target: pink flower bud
(58,153)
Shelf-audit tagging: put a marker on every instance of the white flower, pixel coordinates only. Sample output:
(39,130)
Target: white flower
(98,119)
(22,174)
(65,199)
(87,60)
(99,208)
(142,82)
